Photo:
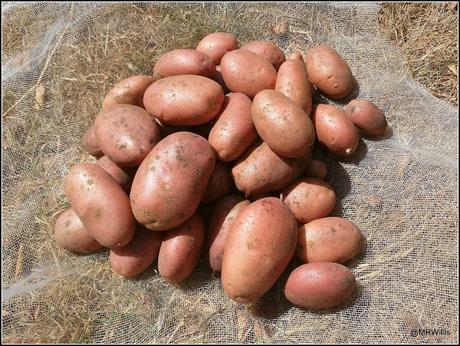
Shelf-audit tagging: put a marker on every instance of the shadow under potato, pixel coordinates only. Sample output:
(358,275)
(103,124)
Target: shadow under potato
(319,97)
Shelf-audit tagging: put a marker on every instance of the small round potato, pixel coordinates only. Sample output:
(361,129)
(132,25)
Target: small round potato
(70,234)
(268,50)
(330,239)
(367,117)
(90,143)
(317,169)
(184,62)
(319,286)
(216,44)
(120,176)
(220,183)
(128,91)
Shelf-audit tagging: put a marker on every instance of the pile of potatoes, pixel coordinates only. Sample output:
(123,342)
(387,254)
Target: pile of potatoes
(229,131)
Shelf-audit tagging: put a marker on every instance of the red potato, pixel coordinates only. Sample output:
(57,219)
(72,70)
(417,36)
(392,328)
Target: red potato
(216,44)
(101,204)
(70,234)
(170,182)
(309,199)
(90,143)
(330,239)
(180,250)
(282,124)
(119,175)
(367,117)
(335,130)
(224,212)
(184,62)
(329,72)
(138,255)
(317,169)
(234,129)
(184,100)
(128,91)
(260,244)
(247,72)
(260,170)
(220,183)
(268,50)
(220,79)
(319,286)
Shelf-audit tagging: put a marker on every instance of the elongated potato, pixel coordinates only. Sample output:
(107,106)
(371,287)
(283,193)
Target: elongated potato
(180,250)
(367,117)
(216,44)
(101,204)
(260,244)
(121,176)
(138,255)
(309,199)
(184,100)
(224,212)
(282,124)
(90,143)
(247,72)
(317,169)
(184,62)
(220,183)
(70,234)
(292,81)
(128,91)
(234,129)
(329,72)
(330,239)
(335,130)
(260,170)
(319,286)
(170,182)
(268,50)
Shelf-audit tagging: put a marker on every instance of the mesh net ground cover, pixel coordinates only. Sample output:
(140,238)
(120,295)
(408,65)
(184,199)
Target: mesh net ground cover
(58,62)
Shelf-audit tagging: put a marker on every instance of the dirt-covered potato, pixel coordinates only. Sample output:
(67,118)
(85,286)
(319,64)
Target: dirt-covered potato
(268,50)
(367,117)
(220,183)
(121,176)
(128,91)
(216,44)
(316,169)
(90,143)
(184,62)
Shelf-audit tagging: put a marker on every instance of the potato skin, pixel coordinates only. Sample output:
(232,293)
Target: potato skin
(220,183)
(234,129)
(184,62)
(260,244)
(224,212)
(309,199)
(128,91)
(247,72)
(180,250)
(126,134)
(138,255)
(70,234)
(319,286)
(90,143)
(119,175)
(317,169)
(216,44)
(184,100)
(268,50)
(335,130)
(329,72)
(170,182)
(282,124)
(260,170)
(367,117)
(330,239)
(101,204)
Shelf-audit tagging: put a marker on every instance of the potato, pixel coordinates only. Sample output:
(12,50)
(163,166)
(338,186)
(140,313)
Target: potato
(138,255)
(367,117)
(128,91)
(234,129)
(180,250)
(317,169)
(216,44)
(309,199)
(330,239)
(335,130)
(319,286)
(184,100)
(247,72)
(170,182)
(260,244)
(90,143)
(101,204)
(282,124)
(126,134)
(329,72)
(119,175)
(70,234)
(220,183)
(260,170)
(292,81)
(184,62)
(220,79)
(224,212)
(268,50)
